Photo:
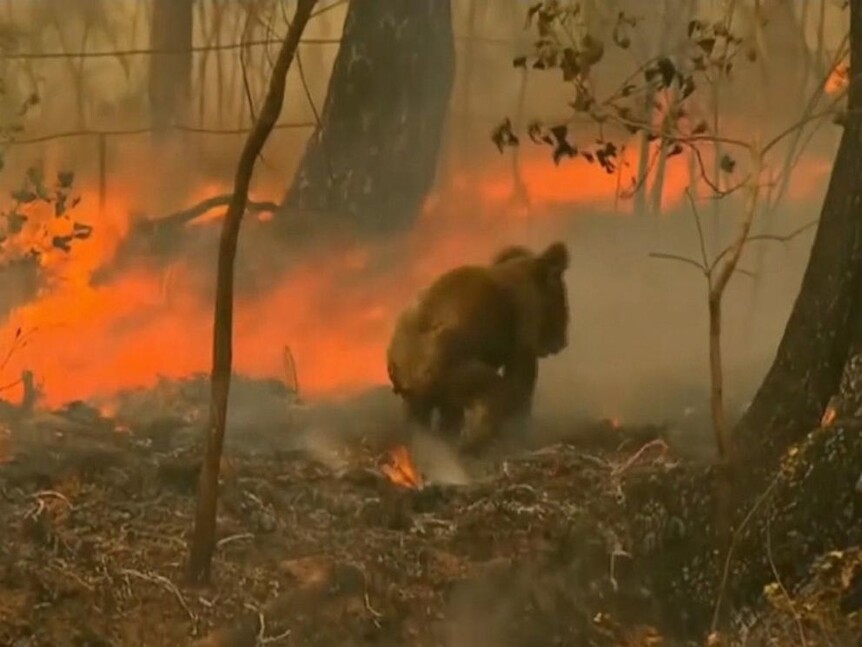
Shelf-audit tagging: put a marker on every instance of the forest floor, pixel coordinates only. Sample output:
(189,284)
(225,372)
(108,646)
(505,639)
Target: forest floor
(317,547)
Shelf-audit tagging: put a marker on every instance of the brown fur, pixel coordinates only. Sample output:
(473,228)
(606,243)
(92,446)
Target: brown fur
(474,336)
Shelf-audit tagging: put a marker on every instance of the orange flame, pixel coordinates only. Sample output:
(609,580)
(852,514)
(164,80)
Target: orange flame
(334,310)
(399,468)
(838,78)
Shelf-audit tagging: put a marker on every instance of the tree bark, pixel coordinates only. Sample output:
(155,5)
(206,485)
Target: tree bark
(802,502)
(373,157)
(825,320)
(170,68)
(823,323)
(203,537)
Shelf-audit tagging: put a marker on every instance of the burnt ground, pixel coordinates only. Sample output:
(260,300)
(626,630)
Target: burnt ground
(317,547)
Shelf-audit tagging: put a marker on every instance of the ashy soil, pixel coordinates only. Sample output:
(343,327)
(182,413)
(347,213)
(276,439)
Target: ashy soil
(317,547)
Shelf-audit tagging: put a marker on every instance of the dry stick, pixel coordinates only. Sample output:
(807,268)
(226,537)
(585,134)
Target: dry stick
(210,34)
(716,292)
(203,538)
(725,575)
(40,139)
(161,580)
(150,51)
(319,124)
(220,10)
(778,581)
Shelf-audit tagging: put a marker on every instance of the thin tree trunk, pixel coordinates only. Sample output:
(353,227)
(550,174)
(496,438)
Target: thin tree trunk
(373,158)
(171,68)
(203,538)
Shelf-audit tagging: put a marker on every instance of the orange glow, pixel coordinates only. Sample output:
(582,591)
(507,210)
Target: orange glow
(400,469)
(579,182)
(838,78)
(829,415)
(333,309)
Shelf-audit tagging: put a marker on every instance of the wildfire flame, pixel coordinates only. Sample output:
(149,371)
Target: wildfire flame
(838,79)
(829,415)
(398,466)
(333,310)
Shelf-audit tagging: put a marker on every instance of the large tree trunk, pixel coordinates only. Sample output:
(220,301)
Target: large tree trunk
(803,502)
(171,68)
(824,322)
(373,157)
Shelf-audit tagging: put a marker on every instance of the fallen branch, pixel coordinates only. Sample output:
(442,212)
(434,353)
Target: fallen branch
(161,580)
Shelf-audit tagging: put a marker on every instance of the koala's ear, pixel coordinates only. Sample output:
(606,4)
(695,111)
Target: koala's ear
(555,258)
(510,252)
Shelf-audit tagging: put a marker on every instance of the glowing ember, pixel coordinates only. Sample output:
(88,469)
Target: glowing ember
(399,468)
(829,415)
(838,79)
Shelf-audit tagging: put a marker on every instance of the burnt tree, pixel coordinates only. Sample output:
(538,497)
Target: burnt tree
(826,320)
(171,64)
(799,483)
(373,157)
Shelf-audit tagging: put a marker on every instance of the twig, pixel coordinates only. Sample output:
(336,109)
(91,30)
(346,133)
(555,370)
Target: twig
(700,237)
(784,591)
(771,237)
(19,341)
(318,123)
(734,540)
(261,638)
(87,132)
(221,543)
(8,386)
(187,215)
(52,494)
(717,191)
(149,51)
(681,259)
(164,582)
(658,442)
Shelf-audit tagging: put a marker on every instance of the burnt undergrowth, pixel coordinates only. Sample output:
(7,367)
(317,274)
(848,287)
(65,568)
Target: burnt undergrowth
(600,538)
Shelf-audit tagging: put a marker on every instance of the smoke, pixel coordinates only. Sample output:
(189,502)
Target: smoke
(638,341)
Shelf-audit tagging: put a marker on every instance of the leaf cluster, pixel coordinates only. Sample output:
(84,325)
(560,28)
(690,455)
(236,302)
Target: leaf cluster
(26,208)
(662,90)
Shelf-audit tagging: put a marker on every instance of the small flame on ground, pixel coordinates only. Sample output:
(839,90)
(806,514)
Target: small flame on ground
(829,415)
(838,79)
(398,466)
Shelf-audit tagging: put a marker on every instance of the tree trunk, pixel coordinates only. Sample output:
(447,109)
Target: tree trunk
(203,537)
(171,68)
(826,316)
(373,158)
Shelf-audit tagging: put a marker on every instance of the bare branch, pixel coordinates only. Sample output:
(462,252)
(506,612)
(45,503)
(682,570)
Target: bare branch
(700,237)
(770,237)
(681,259)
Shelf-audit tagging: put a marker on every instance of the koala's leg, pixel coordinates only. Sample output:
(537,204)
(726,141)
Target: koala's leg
(418,412)
(464,414)
(504,398)
(519,384)
(451,419)
(482,424)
